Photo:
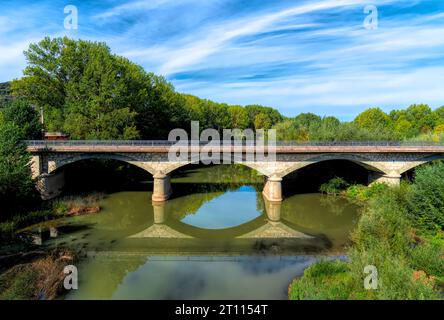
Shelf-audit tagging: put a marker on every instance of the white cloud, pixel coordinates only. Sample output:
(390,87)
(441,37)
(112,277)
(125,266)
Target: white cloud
(136,6)
(214,38)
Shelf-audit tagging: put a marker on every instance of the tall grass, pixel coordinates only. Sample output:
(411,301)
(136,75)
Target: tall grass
(400,233)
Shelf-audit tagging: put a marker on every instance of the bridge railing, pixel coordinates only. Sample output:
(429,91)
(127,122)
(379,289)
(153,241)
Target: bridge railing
(154,143)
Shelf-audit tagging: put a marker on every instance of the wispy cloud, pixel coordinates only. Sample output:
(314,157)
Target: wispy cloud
(131,7)
(296,56)
(218,36)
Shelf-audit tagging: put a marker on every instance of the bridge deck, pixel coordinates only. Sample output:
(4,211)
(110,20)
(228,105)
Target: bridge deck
(281,147)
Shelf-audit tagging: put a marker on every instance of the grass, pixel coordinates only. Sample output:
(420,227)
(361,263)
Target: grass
(39,279)
(8,228)
(78,205)
(395,237)
(324,280)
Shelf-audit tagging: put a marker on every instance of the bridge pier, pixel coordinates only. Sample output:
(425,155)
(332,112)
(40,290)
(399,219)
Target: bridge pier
(273,210)
(161,187)
(273,189)
(159,213)
(50,185)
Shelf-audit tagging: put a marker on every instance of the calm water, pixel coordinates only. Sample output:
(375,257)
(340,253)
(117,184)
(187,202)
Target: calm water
(216,238)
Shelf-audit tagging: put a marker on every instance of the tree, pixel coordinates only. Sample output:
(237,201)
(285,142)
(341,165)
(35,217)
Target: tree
(427,197)
(15,176)
(421,116)
(439,116)
(85,90)
(239,117)
(307,120)
(22,114)
(289,130)
(261,117)
(327,130)
(161,110)
(403,128)
(439,129)
(262,121)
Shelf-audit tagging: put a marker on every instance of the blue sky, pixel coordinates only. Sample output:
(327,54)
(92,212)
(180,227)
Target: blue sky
(297,56)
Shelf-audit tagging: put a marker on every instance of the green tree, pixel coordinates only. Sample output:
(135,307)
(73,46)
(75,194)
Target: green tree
(427,197)
(15,177)
(307,120)
(421,116)
(22,114)
(239,117)
(92,94)
(373,119)
(84,89)
(403,127)
(261,117)
(262,121)
(439,116)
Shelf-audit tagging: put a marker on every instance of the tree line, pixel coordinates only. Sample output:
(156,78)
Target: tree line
(88,92)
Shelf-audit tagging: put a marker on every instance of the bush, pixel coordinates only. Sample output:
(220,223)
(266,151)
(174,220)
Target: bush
(409,266)
(334,186)
(426,201)
(361,193)
(428,257)
(321,281)
(41,278)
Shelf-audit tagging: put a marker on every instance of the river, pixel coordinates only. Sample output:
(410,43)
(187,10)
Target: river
(217,238)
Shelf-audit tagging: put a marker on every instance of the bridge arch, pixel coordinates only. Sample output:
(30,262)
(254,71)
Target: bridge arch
(420,161)
(57,164)
(368,164)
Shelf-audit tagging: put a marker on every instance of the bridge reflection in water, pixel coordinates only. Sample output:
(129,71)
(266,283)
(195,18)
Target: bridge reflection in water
(139,249)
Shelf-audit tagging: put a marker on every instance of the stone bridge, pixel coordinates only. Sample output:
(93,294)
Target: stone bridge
(386,162)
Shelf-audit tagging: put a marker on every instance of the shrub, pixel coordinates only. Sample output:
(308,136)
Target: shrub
(426,201)
(361,193)
(334,186)
(409,266)
(323,280)
(429,257)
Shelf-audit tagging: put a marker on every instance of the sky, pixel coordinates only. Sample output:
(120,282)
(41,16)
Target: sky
(329,57)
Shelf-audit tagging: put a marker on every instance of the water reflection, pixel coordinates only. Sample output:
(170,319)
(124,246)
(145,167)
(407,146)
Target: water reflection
(209,241)
(230,209)
(197,277)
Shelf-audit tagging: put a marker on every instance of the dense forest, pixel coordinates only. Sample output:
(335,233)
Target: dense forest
(90,93)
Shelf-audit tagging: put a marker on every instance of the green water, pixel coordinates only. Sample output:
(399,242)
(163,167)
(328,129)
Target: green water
(215,239)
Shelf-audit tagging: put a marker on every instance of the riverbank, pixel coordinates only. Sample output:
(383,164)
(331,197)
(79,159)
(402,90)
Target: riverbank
(400,232)
(37,275)
(67,206)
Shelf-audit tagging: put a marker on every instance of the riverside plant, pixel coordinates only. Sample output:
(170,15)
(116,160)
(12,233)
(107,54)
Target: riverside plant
(77,205)
(393,236)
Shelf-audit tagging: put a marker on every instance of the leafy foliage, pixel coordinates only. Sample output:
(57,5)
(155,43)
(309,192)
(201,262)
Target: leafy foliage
(24,116)
(426,201)
(15,178)
(91,93)
(325,280)
(399,232)
(334,186)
